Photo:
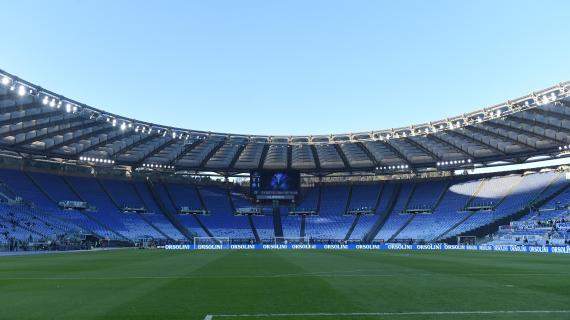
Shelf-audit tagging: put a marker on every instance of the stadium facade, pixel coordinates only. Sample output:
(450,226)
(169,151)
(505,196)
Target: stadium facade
(72,169)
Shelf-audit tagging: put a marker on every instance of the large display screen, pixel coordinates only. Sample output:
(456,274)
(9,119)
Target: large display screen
(275,185)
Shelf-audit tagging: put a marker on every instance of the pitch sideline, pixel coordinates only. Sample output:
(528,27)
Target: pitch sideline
(284,275)
(385,314)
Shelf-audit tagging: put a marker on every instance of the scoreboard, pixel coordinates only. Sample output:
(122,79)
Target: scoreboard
(275,185)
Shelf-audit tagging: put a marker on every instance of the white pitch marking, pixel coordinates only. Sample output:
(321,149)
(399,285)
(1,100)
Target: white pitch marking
(285,275)
(386,314)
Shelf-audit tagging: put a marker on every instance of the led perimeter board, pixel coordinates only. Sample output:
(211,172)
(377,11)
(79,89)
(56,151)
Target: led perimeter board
(275,185)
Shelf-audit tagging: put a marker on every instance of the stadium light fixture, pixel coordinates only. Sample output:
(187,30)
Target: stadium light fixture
(453,162)
(5,80)
(563,148)
(96,160)
(157,166)
(22,90)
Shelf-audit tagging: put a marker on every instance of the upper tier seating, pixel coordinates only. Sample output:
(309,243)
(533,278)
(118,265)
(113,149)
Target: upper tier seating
(221,220)
(331,222)
(365,222)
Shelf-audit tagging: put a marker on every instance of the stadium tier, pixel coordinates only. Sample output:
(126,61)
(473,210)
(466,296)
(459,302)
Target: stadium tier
(39,122)
(41,206)
(69,169)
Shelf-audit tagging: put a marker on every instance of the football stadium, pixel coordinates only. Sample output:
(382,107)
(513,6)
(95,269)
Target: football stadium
(105,216)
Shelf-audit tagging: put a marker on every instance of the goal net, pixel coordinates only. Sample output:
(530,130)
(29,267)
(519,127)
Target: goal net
(211,242)
(292,240)
(466,240)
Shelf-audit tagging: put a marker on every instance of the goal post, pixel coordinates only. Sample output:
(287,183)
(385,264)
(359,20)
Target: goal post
(292,240)
(211,242)
(467,240)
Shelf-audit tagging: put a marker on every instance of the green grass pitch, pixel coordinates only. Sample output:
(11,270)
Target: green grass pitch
(285,285)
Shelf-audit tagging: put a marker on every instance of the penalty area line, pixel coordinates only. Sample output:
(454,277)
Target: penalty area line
(383,314)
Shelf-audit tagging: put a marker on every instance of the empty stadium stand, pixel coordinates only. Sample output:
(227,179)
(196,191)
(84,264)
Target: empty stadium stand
(124,209)
(69,169)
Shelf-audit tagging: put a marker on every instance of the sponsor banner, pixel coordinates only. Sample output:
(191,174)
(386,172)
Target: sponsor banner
(377,247)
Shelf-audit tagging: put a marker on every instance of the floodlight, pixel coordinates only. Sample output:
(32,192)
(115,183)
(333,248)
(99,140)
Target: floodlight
(21,90)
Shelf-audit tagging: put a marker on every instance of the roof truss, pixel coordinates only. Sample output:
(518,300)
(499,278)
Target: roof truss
(38,127)
(451,145)
(398,153)
(47,135)
(342,156)
(424,149)
(91,134)
(500,136)
(156,150)
(484,144)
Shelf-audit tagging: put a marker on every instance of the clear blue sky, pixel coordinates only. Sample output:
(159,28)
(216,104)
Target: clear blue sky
(287,67)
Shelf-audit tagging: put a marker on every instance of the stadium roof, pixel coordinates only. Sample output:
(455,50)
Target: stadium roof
(36,121)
